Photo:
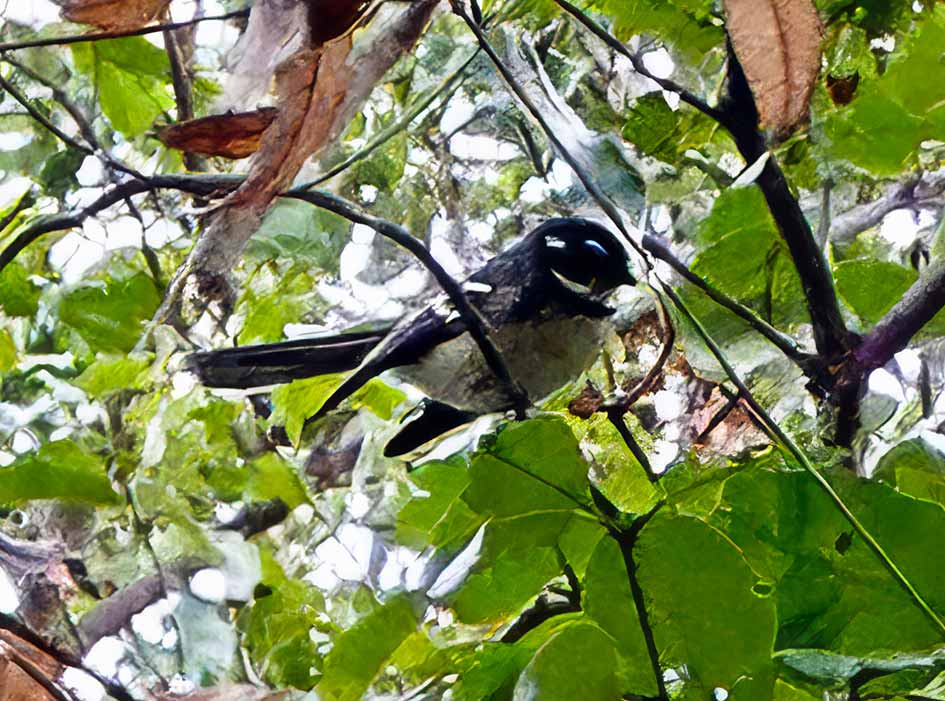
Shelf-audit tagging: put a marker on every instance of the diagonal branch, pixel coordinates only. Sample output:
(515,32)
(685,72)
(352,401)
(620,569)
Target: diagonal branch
(918,305)
(470,315)
(782,341)
(98,36)
(740,118)
(198,185)
(636,60)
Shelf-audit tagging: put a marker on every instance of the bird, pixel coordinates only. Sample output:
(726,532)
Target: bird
(543,298)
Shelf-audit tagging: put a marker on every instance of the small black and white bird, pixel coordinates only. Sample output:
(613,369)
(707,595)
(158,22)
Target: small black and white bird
(544,299)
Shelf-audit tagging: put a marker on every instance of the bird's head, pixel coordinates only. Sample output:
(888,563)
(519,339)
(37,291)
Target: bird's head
(584,258)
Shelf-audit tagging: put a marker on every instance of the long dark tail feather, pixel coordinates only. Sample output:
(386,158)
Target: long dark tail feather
(276,363)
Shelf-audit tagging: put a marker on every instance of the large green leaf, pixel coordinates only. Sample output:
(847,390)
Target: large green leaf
(110,318)
(360,652)
(872,287)
(685,24)
(659,131)
(915,468)
(580,662)
(531,465)
(740,238)
(132,77)
(58,470)
(436,514)
(708,609)
(607,599)
(111,373)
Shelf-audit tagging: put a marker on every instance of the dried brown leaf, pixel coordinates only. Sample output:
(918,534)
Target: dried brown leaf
(777,43)
(234,135)
(26,672)
(113,15)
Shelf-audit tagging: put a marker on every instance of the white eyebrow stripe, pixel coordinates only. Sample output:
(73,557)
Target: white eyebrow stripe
(555,242)
(470,286)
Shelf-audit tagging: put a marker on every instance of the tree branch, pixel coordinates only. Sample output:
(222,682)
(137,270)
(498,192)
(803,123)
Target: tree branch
(914,192)
(198,185)
(41,118)
(740,118)
(475,323)
(97,36)
(918,305)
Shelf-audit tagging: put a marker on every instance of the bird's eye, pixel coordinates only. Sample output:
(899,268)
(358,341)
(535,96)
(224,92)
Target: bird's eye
(596,247)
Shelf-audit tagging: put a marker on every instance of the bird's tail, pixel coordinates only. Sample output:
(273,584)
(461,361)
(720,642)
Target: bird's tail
(275,363)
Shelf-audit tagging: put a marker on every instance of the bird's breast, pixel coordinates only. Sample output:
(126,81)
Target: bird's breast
(540,356)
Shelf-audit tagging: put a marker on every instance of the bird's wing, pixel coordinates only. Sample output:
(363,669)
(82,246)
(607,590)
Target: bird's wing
(409,340)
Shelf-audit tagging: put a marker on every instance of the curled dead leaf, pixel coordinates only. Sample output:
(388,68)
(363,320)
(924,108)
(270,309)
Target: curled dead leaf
(777,43)
(234,135)
(842,89)
(113,15)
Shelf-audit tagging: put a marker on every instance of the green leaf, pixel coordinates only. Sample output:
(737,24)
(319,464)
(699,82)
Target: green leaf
(58,470)
(874,132)
(300,233)
(617,473)
(277,628)
(706,607)
(110,318)
(58,173)
(379,397)
(291,297)
(360,652)
(741,238)
(580,662)
(436,514)
(915,468)
(578,540)
(659,131)
(271,477)
(132,77)
(506,585)
(872,287)
(685,24)
(18,295)
(300,399)
(906,79)
(111,373)
(607,599)
(7,351)
(384,168)
(531,466)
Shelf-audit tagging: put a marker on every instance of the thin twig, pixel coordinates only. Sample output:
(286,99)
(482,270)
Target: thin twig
(41,118)
(98,36)
(616,417)
(787,345)
(475,323)
(194,184)
(636,60)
